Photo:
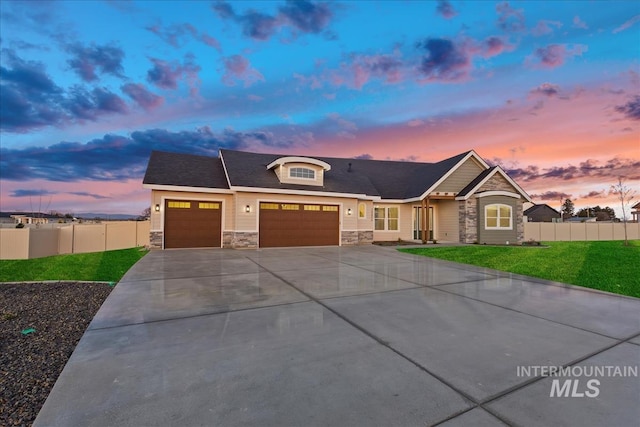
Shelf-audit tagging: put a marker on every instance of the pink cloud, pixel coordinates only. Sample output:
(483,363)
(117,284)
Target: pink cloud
(544,27)
(554,55)
(579,23)
(238,67)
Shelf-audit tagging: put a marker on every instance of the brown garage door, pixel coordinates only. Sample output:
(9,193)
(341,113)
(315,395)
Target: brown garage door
(297,224)
(192,224)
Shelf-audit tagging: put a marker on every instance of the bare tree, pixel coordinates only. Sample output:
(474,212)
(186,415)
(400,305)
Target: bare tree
(625,194)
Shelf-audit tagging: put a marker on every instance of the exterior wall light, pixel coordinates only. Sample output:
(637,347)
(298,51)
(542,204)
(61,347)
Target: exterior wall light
(247,209)
(349,212)
(157,208)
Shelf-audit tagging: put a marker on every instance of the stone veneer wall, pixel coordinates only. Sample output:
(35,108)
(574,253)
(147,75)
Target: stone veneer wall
(155,239)
(365,237)
(240,239)
(468,220)
(349,238)
(468,211)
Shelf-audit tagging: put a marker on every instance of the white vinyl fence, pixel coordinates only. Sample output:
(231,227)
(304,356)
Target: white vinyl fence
(26,243)
(567,232)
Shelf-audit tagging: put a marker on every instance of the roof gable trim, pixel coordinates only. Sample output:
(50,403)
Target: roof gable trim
(470,154)
(498,193)
(499,170)
(295,159)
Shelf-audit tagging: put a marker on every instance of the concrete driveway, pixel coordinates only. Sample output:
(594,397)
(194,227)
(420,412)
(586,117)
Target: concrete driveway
(347,337)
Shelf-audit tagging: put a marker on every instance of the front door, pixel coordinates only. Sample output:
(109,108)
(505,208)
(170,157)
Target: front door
(417,223)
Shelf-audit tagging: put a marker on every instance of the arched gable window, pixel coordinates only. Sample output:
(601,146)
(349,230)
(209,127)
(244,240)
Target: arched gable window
(304,173)
(498,217)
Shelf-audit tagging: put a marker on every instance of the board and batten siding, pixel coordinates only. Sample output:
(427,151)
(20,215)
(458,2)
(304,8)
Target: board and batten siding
(447,223)
(498,237)
(461,177)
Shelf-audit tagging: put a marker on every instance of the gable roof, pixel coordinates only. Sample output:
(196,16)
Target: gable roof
(377,179)
(383,178)
(485,176)
(535,208)
(185,170)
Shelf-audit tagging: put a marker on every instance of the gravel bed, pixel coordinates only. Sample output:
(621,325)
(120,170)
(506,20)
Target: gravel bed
(30,362)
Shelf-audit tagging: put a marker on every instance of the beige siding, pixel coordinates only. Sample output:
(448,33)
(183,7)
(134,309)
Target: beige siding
(249,221)
(461,177)
(447,223)
(405,224)
(158,197)
(366,223)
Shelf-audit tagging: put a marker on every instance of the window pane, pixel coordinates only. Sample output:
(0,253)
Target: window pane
(379,224)
(203,205)
(505,211)
(302,173)
(379,213)
(505,222)
(330,208)
(492,211)
(362,210)
(180,205)
(393,213)
(393,224)
(287,207)
(311,207)
(272,206)
(492,222)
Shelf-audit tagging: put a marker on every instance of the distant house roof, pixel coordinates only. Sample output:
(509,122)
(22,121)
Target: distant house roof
(636,206)
(542,207)
(393,180)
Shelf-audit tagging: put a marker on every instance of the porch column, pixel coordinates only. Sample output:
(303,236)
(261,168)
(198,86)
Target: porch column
(426,220)
(423,233)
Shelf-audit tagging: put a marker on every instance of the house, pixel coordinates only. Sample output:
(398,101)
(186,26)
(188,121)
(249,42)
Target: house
(542,213)
(250,200)
(635,213)
(27,220)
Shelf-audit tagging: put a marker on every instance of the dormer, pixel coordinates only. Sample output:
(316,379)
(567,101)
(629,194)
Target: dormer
(300,170)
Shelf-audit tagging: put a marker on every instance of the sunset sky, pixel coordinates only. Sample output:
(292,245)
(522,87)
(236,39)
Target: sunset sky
(549,90)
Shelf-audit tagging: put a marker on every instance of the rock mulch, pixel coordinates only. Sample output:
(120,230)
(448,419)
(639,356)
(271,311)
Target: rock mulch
(40,325)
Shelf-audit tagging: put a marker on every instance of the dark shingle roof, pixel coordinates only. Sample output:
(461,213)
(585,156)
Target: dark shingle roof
(185,170)
(387,179)
(477,180)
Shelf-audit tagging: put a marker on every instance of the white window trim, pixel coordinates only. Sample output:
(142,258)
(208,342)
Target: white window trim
(386,219)
(498,206)
(302,177)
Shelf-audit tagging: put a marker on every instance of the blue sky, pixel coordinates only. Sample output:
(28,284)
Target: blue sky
(549,90)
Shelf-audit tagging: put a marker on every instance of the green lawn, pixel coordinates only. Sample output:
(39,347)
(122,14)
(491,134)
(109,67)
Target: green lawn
(609,265)
(107,266)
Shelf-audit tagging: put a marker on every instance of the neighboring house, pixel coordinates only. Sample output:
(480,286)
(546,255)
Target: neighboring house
(26,220)
(542,213)
(635,213)
(250,200)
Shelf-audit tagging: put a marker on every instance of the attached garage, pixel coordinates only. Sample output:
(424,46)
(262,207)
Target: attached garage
(298,224)
(192,224)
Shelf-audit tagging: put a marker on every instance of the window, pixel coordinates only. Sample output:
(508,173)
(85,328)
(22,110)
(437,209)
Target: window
(288,207)
(203,205)
(304,173)
(386,219)
(311,207)
(497,217)
(330,209)
(179,205)
(362,210)
(271,206)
